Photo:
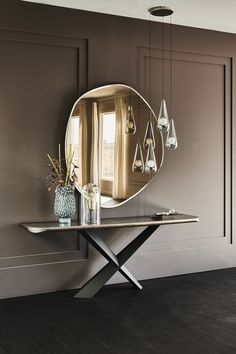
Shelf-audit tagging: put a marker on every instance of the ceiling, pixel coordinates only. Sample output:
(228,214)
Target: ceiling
(210,14)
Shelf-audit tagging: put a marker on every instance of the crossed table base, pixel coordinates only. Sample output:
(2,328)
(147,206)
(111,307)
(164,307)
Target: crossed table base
(115,262)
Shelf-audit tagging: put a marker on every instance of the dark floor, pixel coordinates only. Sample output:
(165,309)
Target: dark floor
(185,314)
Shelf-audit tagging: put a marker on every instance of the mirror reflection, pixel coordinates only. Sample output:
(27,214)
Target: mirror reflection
(113,134)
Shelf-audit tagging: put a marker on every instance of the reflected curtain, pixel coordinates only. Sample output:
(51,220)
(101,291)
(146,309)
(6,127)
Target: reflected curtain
(94,171)
(78,141)
(83,138)
(120,152)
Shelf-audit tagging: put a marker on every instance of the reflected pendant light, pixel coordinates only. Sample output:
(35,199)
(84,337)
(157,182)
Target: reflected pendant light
(163,119)
(130,126)
(138,163)
(150,163)
(149,138)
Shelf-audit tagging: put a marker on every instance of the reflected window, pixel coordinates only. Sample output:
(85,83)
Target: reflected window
(108,145)
(74,139)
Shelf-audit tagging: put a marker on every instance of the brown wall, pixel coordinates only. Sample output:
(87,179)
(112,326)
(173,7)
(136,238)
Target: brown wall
(49,56)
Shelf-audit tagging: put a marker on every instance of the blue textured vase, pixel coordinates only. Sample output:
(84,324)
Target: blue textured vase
(64,204)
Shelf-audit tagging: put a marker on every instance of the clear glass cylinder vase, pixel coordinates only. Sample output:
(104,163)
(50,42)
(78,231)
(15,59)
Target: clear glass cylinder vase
(90,204)
(64,204)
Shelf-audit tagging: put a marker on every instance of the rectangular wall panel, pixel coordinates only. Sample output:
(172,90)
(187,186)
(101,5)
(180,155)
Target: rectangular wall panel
(199,171)
(41,76)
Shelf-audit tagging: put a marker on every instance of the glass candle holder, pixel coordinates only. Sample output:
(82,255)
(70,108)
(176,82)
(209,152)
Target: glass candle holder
(90,204)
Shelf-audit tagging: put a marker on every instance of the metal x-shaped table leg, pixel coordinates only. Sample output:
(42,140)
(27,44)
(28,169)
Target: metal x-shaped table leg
(116,262)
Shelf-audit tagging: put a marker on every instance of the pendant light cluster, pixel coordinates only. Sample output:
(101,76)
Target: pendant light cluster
(138,166)
(164,124)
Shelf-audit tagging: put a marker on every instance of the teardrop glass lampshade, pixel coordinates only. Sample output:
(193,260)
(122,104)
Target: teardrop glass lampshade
(149,136)
(150,163)
(171,139)
(163,122)
(138,163)
(130,126)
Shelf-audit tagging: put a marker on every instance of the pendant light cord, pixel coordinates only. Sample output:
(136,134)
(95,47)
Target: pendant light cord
(162,55)
(138,128)
(130,105)
(138,89)
(150,64)
(171,67)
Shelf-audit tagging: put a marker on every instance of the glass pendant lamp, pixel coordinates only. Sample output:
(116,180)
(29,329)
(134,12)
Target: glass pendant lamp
(163,119)
(150,163)
(171,139)
(138,163)
(149,138)
(130,126)
(163,122)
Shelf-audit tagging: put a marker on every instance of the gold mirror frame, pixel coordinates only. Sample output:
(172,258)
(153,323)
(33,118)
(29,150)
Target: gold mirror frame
(84,133)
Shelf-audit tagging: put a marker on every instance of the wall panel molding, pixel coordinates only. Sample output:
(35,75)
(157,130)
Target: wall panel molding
(81,45)
(69,47)
(224,66)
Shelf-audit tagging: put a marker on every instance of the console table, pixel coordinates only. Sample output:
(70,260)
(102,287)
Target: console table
(115,262)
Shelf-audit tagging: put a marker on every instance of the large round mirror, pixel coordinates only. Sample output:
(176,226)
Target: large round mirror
(113,134)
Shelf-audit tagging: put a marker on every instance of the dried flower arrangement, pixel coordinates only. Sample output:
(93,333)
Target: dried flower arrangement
(59,176)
